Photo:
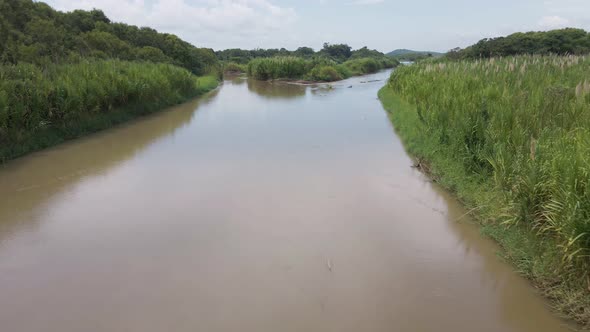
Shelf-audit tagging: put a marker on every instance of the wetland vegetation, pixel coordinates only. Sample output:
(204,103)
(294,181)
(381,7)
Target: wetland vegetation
(331,63)
(510,136)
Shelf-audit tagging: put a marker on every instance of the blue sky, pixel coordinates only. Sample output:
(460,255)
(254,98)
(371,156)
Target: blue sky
(381,24)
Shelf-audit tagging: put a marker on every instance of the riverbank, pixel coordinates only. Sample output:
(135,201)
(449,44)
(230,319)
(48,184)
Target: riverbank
(537,258)
(300,198)
(39,109)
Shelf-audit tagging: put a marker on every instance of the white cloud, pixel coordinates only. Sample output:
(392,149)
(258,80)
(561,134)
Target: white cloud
(562,13)
(209,23)
(572,7)
(553,22)
(367,2)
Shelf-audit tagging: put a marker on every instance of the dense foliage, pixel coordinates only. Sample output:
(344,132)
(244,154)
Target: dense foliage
(332,63)
(336,52)
(562,42)
(65,74)
(316,69)
(277,67)
(518,130)
(33,32)
(361,66)
(233,67)
(240,56)
(40,106)
(413,56)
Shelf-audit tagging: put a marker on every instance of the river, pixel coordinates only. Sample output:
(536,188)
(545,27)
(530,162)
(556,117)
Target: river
(260,207)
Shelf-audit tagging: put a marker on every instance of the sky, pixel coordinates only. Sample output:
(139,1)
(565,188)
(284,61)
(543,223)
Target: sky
(385,25)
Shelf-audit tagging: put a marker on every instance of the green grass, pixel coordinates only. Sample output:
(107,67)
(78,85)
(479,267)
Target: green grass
(43,107)
(511,137)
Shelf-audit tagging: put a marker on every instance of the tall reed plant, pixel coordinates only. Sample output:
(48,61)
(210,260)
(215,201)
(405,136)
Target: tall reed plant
(35,101)
(519,129)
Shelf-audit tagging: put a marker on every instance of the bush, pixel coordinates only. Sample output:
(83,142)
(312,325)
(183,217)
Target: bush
(64,97)
(324,74)
(364,66)
(343,71)
(277,67)
(232,67)
(319,68)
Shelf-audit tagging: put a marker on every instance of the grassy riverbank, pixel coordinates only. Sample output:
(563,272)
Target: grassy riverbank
(511,137)
(43,107)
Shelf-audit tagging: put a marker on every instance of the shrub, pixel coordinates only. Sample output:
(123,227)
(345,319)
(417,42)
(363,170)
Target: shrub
(234,67)
(324,74)
(64,97)
(277,67)
(319,68)
(364,66)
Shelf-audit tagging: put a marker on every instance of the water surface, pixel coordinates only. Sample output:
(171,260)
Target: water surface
(261,207)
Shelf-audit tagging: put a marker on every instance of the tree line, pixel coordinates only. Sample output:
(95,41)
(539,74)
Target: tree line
(559,42)
(33,32)
(335,52)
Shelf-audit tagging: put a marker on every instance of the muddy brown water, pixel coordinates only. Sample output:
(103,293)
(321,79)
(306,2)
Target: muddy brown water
(261,207)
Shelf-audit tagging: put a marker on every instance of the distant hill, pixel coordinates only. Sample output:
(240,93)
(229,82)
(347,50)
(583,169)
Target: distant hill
(404,52)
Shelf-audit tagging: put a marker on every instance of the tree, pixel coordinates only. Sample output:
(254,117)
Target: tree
(36,33)
(563,41)
(304,52)
(108,43)
(47,38)
(366,53)
(152,54)
(338,52)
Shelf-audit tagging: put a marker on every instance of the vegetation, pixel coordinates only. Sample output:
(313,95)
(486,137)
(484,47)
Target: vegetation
(328,73)
(39,107)
(332,63)
(232,67)
(278,67)
(242,57)
(409,55)
(336,52)
(560,42)
(66,74)
(363,66)
(512,137)
(317,69)
(33,32)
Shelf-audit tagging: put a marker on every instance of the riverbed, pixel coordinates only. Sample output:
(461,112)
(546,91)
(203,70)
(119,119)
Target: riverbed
(260,207)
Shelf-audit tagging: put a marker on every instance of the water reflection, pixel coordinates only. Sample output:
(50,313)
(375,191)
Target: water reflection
(236,79)
(27,183)
(276,90)
(516,302)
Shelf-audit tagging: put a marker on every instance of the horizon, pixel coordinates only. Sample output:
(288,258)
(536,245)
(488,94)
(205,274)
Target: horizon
(424,26)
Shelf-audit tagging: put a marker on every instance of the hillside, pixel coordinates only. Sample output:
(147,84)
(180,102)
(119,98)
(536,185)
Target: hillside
(33,32)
